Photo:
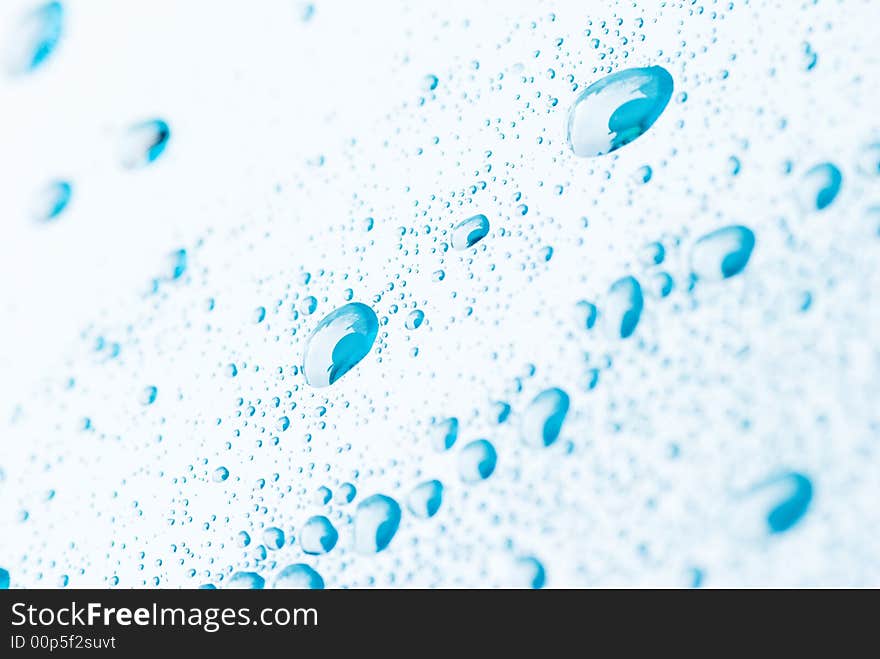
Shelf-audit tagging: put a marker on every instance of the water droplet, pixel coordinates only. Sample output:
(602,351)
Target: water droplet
(318,535)
(220,474)
(246,581)
(643,174)
(144,142)
(543,418)
(530,572)
(477,461)
(586,314)
(500,411)
(470,231)
(273,537)
(4,579)
(617,109)
(376,521)
(722,253)
(341,340)
(425,499)
(149,395)
(347,492)
(623,307)
(820,186)
(35,38)
(299,576)
(429,83)
(244,539)
(444,432)
(794,504)
(415,319)
(52,200)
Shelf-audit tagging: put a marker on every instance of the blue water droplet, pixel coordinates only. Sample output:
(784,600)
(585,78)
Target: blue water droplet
(318,535)
(444,432)
(820,186)
(722,253)
(220,474)
(643,174)
(52,200)
(543,418)
(617,109)
(429,83)
(477,461)
(4,579)
(500,411)
(469,232)
(149,395)
(144,142)
(531,572)
(341,340)
(244,538)
(425,499)
(586,314)
(246,581)
(623,307)
(347,492)
(273,537)
(415,319)
(795,503)
(299,576)
(36,38)
(375,523)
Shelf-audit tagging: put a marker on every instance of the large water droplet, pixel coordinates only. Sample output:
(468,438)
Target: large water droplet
(342,339)
(623,307)
(318,535)
(542,420)
(722,253)
(144,142)
(298,576)
(246,581)
(425,499)
(477,461)
(617,109)
(35,38)
(375,523)
(470,231)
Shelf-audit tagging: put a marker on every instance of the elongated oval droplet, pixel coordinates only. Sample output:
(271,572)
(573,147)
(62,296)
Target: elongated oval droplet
(543,418)
(144,142)
(617,110)
(318,535)
(623,307)
(722,253)
(425,499)
(375,523)
(35,38)
(341,340)
(298,576)
(470,231)
(443,433)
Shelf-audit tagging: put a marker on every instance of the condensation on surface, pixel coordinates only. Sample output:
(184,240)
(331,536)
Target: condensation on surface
(335,299)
